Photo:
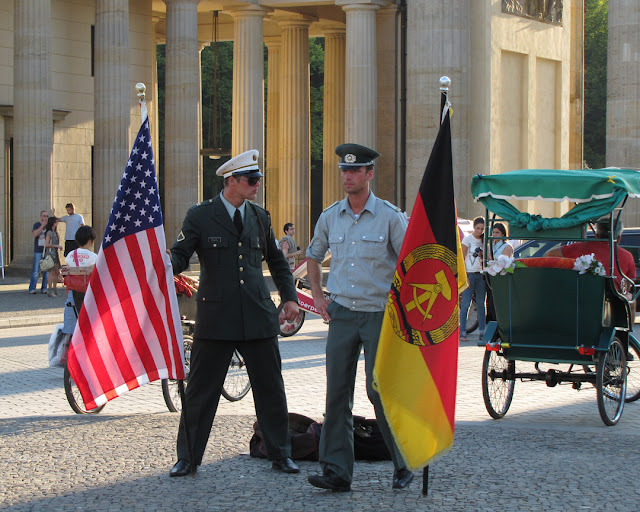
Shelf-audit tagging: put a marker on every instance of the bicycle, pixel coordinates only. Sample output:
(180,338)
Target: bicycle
(236,384)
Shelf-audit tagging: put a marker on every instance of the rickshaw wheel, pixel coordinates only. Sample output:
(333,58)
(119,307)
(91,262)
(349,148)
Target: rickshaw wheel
(236,384)
(170,387)
(498,381)
(74,397)
(611,383)
(288,328)
(633,371)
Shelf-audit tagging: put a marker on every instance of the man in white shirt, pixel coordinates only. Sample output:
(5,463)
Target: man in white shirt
(73,221)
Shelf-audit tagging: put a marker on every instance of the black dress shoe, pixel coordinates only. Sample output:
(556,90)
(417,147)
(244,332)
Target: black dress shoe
(181,468)
(285,465)
(402,478)
(330,481)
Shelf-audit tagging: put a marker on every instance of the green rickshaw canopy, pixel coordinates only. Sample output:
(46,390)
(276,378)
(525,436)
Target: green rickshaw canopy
(594,192)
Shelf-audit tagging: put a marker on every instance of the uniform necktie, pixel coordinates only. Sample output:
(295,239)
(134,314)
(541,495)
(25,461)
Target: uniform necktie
(237,220)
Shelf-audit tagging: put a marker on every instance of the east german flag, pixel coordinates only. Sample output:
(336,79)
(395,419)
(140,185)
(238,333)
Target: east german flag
(416,363)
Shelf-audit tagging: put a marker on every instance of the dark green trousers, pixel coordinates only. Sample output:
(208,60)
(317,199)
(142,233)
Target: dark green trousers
(209,363)
(349,332)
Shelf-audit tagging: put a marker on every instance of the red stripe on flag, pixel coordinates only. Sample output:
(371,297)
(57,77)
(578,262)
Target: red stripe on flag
(127,303)
(157,242)
(154,330)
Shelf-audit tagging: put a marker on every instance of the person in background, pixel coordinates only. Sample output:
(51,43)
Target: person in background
(288,245)
(497,248)
(73,221)
(365,235)
(472,253)
(83,257)
(51,248)
(39,234)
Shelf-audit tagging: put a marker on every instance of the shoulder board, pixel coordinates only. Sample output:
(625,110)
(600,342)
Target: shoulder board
(330,206)
(392,206)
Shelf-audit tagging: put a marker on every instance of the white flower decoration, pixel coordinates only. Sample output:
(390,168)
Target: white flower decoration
(589,263)
(500,266)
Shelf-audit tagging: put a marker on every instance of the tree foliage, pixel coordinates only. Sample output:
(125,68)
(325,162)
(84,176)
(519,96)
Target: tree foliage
(595,81)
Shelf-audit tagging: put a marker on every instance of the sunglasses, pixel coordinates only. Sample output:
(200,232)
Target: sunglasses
(250,181)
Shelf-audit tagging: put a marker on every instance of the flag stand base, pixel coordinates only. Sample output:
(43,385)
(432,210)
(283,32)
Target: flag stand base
(425,481)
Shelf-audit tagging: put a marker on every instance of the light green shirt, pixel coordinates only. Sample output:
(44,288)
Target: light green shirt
(232,209)
(364,251)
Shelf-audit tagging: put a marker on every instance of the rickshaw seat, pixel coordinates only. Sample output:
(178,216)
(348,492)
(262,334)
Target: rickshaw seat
(544,313)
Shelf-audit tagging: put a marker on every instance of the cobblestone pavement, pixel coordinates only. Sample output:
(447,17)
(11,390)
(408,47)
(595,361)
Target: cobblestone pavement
(551,451)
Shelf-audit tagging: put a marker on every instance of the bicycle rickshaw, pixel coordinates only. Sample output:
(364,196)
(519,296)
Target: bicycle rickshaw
(548,312)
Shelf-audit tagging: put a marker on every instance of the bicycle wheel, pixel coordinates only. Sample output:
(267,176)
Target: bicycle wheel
(74,398)
(236,384)
(633,371)
(288,328)
(611,380)
(472,316)
(498,381)
(170,386)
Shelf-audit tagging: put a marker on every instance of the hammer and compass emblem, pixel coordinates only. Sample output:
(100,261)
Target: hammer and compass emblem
(425,310)
(429,292)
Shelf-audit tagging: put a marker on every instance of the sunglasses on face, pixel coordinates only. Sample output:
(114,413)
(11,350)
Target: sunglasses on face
(250,181)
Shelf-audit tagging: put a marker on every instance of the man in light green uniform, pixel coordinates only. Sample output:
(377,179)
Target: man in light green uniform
(365,235)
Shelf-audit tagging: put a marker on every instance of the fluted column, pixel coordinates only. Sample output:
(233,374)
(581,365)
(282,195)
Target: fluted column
(183,164)
(272,182)
(361,92)
(112,99)
(295,160)
(155,132)
(32,121)
(623,91)
(333,129)
(384,184)
(248,84)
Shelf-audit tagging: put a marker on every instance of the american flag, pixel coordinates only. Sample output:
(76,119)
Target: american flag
(128,332)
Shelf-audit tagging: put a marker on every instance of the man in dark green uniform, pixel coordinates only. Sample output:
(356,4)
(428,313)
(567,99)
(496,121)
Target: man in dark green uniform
(232,236)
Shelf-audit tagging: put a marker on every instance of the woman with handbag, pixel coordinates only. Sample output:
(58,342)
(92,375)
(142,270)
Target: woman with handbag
(51,248)
(80,264)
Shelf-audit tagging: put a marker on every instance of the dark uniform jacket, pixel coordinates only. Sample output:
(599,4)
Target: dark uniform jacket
(234,302)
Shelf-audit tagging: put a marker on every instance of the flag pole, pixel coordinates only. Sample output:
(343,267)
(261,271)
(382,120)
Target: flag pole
(445,82)
(141,89)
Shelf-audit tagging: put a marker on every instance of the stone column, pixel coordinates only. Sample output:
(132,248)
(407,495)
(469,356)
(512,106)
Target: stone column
(183,164)
(155,133)
(438,35)
(272,182)
(248,84)
(623,92)
(361,90)
(387,133)
(112,106)
(333,128)
(295,159)
(32,122)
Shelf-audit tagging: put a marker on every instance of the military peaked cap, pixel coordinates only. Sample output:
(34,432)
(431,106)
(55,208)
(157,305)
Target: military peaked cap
(355,155)
(245,164)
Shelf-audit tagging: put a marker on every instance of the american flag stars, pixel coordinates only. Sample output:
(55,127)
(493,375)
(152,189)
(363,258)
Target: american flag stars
(137,203)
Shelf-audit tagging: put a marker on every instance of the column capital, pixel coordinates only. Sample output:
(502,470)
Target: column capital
(193,2)
(348,5)
(331,28)
(248,11)
(290,19)
(273,42)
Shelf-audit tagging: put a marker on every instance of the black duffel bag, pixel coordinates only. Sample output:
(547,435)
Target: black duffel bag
(368,443)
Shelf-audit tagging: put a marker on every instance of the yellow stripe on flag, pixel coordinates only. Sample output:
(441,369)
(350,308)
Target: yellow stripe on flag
(411,400)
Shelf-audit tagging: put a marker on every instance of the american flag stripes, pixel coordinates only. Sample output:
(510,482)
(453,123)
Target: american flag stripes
(128,332)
